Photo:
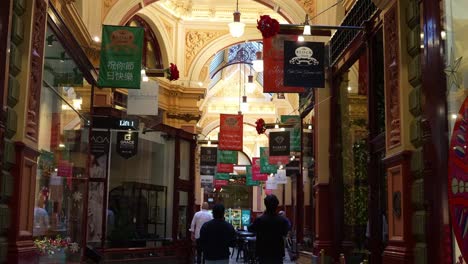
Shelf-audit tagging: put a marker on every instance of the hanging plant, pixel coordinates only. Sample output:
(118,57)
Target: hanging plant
(172,73)
(260,126)
(268,26)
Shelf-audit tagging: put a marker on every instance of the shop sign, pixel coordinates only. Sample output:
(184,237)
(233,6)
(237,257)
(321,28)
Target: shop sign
(222,176)
(207,170)
(121,57)
(256,175)
(127,144)
(64,168)
(304,64)
(294,132)
(271,184)
(230,132)
(280,177)
(99,143)
(115,123)
(225,167)
(248,177)
(279,143)
(265,166)
(207,182)
(293,167)
(245,217)
(273,61)
(227,156)
(143,101)
(219,183)
(208,156)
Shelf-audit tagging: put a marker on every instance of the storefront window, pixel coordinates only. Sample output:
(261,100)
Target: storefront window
(139,212)
(63,160)
(455,21)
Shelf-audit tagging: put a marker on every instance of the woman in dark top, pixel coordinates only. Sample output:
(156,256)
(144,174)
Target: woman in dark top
(270,229)
(216,236)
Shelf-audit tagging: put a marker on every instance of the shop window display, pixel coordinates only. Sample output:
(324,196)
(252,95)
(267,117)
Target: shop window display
(63,159)
(139,212)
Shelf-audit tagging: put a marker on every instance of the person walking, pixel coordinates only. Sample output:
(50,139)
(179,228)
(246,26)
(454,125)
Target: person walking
(216,236)
(198,220)
(270,229)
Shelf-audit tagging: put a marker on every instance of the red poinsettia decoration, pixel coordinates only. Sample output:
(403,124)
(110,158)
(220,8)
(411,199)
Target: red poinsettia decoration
(172,73)
(260,126)
(268,26)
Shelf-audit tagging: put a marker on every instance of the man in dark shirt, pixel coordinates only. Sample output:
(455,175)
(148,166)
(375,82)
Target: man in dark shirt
(270,229)
(216,236)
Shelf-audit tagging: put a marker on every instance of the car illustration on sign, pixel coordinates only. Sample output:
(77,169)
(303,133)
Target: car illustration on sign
(304,57)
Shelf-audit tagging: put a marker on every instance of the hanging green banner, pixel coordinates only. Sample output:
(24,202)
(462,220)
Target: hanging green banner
(295,131)
(121,54)
(265,166)
(227,156)
(248,177)
(222,176)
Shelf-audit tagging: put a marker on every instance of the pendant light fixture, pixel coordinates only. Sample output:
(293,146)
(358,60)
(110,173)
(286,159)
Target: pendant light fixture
(257,64)
(236,28)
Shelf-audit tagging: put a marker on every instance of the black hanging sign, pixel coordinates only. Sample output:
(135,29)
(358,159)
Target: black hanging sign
(279,143)
(127,144)
(208,156)
(304,64)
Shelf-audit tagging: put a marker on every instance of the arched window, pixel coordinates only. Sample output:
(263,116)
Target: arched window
(152,58)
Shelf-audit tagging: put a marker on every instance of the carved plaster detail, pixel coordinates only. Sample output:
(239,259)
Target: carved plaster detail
(37,58)
(108,4)
(392,77)
(187,117)
(169,28)
(308,5)
(194,41)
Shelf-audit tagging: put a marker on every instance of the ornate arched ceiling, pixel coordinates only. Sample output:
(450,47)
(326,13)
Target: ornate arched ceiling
(190,32)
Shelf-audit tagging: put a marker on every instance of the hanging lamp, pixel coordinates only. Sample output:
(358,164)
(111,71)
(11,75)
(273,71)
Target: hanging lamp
(236,28)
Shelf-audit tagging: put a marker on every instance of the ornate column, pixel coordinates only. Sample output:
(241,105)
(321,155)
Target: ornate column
(6,10)
(26,62)
(398,155)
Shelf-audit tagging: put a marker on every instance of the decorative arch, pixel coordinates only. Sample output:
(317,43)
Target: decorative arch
(149,40)
(120,12)
(222,42)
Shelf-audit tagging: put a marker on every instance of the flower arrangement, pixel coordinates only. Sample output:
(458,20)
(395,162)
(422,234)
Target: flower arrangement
(172,73)
(260,126)
(268,26)
(50,246)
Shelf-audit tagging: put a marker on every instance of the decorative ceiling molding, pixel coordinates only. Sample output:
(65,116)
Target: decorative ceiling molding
(195,41)
(187,117)
(107,5)
(309,6)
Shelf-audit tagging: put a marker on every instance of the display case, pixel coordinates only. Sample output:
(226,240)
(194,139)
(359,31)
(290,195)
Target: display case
(139,211)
